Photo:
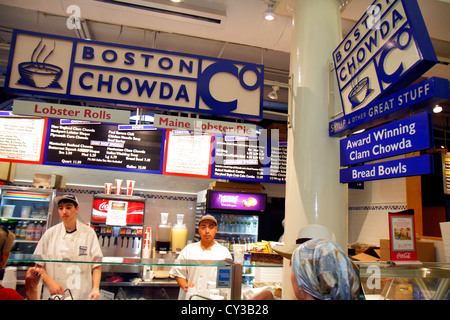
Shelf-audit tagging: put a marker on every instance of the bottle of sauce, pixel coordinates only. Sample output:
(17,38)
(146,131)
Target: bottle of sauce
(163,234)
(179,234)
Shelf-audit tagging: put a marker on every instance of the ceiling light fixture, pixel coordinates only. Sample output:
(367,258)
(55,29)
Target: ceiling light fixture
(274,93)
(437,108)
(177,1)
(269,14)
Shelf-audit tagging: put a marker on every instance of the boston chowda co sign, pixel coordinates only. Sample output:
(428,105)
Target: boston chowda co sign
(68,68)
(388,49)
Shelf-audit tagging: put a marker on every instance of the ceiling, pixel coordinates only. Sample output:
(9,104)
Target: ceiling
(228,29)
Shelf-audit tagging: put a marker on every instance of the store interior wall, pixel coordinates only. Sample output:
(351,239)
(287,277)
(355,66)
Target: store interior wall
(162,193)
(367,215)
(368,220)
(369,208)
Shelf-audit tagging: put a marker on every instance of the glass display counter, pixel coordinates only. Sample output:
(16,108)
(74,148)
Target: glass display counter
(387,281)
(139,285)
(379,280)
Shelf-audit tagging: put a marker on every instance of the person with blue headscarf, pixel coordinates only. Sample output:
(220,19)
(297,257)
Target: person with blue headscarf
(321,270)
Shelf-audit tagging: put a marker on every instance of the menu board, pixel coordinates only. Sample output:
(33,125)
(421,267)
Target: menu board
(141,148)
(104,146)
(21,139)
(239,158)
(188,154)
(278,162)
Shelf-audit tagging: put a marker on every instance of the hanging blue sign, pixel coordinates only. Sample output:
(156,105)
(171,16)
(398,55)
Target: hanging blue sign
(68,68)
(387,170)
(398,137)
(387,49)
(418,96)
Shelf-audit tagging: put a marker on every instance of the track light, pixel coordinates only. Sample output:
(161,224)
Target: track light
(269,14)
(274,93)
(437,109)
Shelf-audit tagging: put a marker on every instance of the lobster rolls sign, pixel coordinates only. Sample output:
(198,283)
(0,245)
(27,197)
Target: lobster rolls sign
(48,65)
(387,49)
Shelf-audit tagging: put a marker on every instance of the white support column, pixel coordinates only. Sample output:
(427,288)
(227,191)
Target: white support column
(313,191)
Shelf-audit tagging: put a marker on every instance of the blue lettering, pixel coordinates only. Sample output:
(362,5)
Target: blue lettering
(396,16)
(384,29)
(392,44)
(163,95)
(182,93)
(140,88)
(357,34)
(105,55)
(342,78)
(162,65)
(361,55)
(81,80)
(241,77)
(129,58)
(102,83)
(183,65)
(204,83)
(147,57)
(348,45)
(119,85)
(351,65)
(373,40)
(338,57)
(88,53)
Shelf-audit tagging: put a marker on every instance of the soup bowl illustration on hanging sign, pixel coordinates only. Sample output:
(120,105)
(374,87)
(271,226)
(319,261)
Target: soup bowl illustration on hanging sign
(40,74)
(360,92)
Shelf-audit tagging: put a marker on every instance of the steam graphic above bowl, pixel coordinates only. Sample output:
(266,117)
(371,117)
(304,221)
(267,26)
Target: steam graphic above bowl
(40,74)
(360,92)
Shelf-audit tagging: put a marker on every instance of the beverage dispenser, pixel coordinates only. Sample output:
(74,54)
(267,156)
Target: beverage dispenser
(118,222)
(179,235)
(163,234)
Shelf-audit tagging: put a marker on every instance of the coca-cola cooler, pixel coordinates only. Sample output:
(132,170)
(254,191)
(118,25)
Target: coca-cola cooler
(118,222)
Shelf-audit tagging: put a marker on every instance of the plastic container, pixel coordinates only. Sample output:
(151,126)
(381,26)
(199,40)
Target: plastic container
(163,233)
(10,278)
(179,234)
(8,210)
(25,212)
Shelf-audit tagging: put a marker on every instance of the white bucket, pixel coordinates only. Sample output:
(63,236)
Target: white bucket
(8,210)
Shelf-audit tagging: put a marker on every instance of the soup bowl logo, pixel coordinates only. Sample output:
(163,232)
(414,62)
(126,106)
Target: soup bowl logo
(360,92)
(40,74)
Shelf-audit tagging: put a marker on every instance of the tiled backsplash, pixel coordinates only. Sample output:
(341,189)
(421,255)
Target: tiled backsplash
(368,209)
(155,203)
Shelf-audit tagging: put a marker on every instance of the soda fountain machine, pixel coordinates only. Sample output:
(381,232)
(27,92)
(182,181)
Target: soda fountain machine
(118,222)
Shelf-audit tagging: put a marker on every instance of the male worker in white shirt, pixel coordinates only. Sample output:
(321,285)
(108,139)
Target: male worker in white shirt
(206,249)
(69,240)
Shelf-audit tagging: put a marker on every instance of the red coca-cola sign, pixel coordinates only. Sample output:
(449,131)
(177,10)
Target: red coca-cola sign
(135,213)
(402,236)
(100,210)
